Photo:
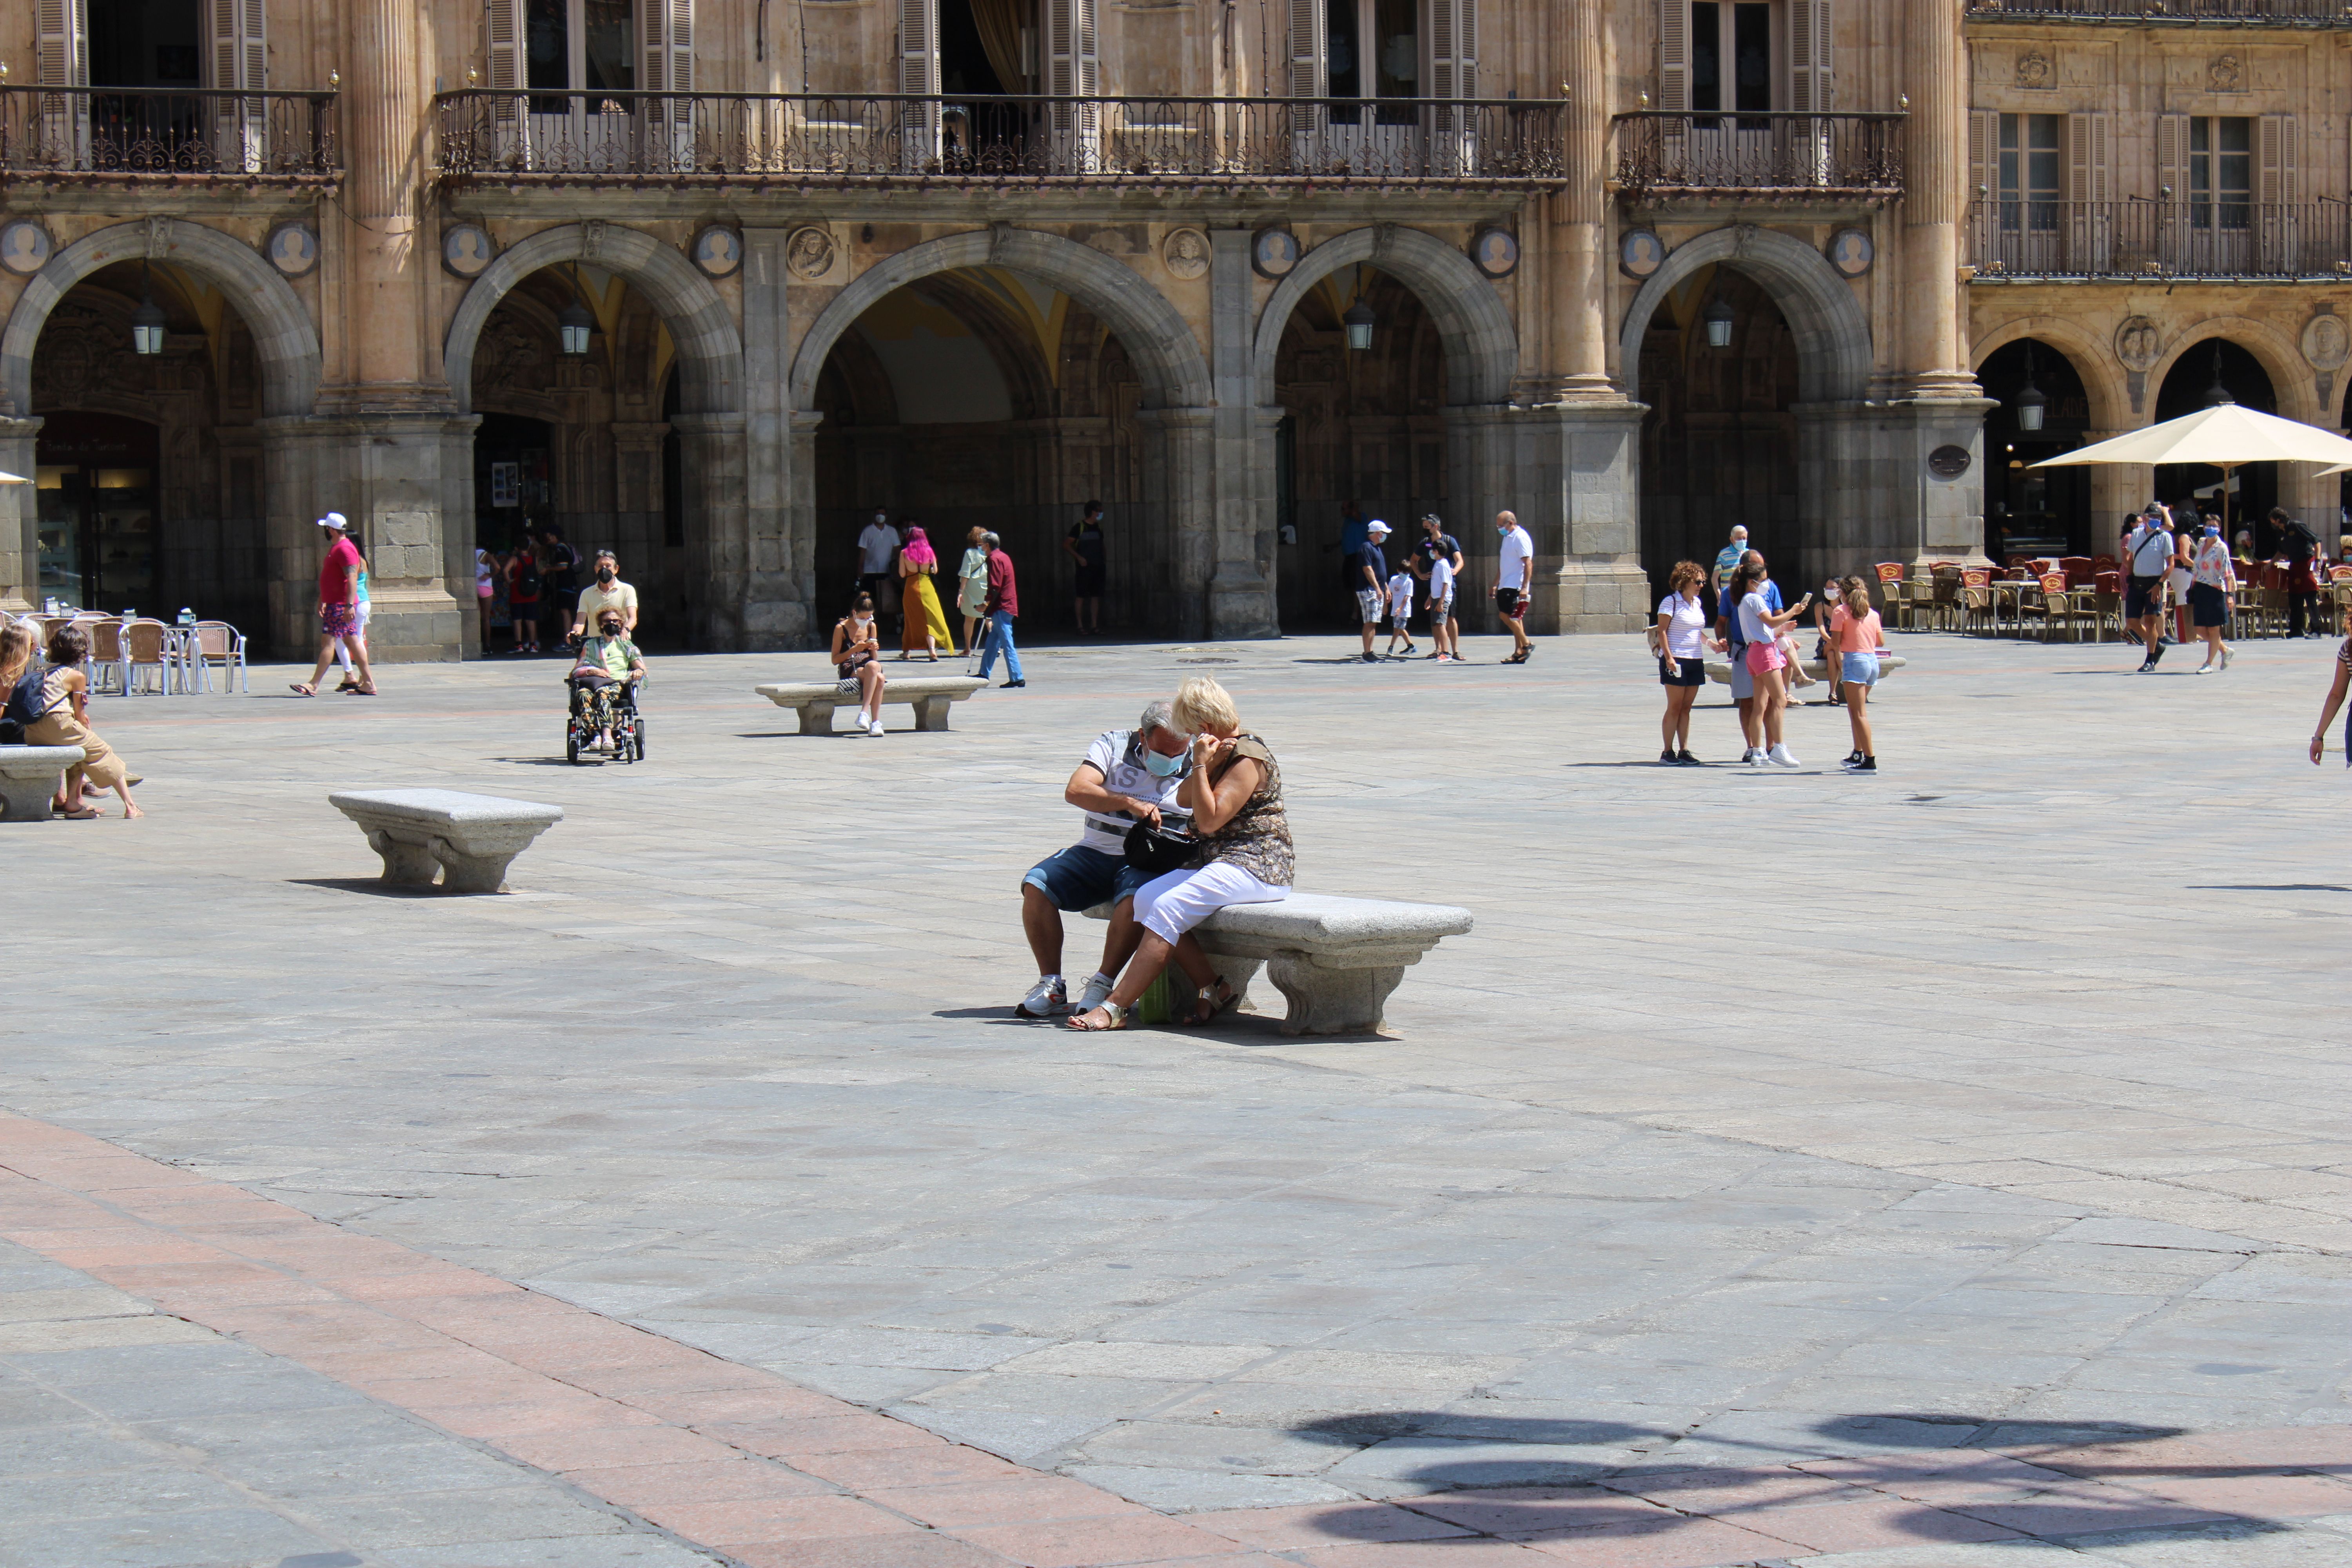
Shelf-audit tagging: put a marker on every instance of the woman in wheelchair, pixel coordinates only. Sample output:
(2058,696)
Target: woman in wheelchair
(608,665)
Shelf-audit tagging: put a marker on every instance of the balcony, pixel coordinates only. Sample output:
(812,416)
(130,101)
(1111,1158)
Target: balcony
(1779,157)
(2170,12)
(906,140)
(2220,240)
(149,135)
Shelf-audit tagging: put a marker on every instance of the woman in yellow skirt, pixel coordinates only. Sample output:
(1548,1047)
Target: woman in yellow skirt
(925,626)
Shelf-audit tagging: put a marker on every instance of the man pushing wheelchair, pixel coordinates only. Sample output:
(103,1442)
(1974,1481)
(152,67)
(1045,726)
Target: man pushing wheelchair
(603,679)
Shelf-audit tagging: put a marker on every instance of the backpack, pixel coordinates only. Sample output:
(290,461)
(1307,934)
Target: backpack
(24,706)
(527,580)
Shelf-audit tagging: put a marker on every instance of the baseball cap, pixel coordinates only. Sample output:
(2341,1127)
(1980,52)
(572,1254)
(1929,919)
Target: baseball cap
(1376,526)
(334,519)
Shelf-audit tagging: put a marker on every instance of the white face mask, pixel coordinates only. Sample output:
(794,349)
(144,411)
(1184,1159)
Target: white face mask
(1832,594)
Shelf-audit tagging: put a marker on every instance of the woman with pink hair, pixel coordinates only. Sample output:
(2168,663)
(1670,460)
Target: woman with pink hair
(917,564)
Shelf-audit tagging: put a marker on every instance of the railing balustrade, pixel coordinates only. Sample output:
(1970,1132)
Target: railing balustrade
(2239,13)
(2160,240)
(1780,154)
(902,137)
(69,131)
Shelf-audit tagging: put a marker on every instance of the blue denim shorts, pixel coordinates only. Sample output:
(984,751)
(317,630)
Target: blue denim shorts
(1079,878)
(1858,669)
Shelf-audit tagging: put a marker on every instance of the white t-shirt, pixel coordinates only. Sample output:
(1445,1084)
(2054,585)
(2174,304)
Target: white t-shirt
(1686,629)
(1753,627)
(877,546)
(1441,579)
(1518,550)
(1400,594)
(1117,755)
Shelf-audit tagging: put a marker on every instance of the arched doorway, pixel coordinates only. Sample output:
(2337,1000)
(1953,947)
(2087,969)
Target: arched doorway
(660,335)
(980,397)
(1719,444)
(240,361)
(149,466)
(2200,375)
(1126,421)
(1366,429)
(575,440)
(1413,423)
(2029,510)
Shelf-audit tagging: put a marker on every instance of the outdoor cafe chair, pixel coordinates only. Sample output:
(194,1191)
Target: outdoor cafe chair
(148,647)
(217,642)
(106,654)
(1975,600)
(2056,605)
(1897,604)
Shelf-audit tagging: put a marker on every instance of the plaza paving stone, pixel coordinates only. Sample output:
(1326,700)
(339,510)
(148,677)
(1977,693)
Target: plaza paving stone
(1991,1106)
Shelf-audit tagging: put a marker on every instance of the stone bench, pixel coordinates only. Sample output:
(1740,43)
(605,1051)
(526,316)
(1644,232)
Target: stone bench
(28,780)
(471,838)
(929,694)
(1334,960)
(1719,670)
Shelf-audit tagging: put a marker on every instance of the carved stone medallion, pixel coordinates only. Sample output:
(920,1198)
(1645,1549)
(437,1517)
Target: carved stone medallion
(2226,74)
(809,253)
(1186,253)
(2137,343)
(2034,70)
(2326,341)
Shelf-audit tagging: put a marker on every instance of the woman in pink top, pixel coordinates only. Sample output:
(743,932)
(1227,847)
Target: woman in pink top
(1856,636)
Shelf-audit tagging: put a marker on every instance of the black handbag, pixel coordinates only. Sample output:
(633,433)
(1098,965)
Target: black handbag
(1156,851)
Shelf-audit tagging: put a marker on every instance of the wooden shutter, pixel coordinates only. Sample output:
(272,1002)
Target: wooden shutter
(2089,160)
(1984,154)
(2172,157)
(2275,159)
(668,46)
(240,63)
(502,22)
(919,48)
(1809,56)
(61,55)
(1307,72)
(1674,56)
(1452,48)
(1073,69)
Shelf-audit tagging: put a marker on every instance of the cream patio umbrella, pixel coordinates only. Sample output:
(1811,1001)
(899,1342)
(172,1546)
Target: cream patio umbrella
(2224,437)
(14,479)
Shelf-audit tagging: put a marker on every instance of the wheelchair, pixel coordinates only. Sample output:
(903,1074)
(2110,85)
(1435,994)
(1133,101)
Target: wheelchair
(621,715)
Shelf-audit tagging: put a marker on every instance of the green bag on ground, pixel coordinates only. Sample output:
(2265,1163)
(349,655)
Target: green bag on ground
(1159,1002)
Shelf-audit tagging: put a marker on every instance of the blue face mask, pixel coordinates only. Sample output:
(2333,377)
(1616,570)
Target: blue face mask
(1160,766)
(2214,533)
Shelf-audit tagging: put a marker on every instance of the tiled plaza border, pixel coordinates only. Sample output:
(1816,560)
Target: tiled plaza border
(774,1476)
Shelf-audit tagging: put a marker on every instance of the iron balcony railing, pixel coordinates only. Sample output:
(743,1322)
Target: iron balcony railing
(2162,239)
(2237,13)
(1779,154)
(154,132)
(901,138)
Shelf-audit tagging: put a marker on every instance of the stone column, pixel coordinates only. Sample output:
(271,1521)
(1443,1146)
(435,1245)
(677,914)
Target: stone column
(1240,589)
(1570,470)
(20,519)
(725,563)
(1866,493)
(1935,200)
(1580,272)
(1209,595)
(778,611)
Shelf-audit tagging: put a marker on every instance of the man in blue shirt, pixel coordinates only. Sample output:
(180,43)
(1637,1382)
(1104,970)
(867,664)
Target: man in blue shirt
(1371,567)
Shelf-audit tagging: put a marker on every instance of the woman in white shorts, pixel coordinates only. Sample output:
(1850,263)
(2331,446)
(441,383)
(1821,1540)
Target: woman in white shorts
(1234,792)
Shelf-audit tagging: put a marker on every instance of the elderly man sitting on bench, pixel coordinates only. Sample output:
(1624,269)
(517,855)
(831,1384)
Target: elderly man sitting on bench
(1127,776)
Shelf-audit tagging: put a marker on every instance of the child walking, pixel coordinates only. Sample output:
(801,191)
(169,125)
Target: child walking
(1400,612)
(1441,609)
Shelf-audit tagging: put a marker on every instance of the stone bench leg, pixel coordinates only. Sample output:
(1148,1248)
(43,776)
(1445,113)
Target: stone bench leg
(472,873)
(411,864)
(816,720)
(931,712)
(28,799)
(1331,1001)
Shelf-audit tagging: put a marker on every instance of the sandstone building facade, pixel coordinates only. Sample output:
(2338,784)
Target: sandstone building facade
(710,280)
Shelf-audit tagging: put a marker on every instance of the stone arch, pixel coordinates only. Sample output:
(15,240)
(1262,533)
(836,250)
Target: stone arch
(1481,341)
(1832,333)
(286,344)
(709,349)
(2280,357)
(1159,342)
(2093,360)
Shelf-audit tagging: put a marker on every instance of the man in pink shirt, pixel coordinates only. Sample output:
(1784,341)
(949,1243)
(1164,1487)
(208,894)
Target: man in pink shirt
(338,608)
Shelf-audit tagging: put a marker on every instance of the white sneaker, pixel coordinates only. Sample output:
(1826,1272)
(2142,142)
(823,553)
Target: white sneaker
(874,727)
(1046,998)
(1097,992)
(1751,758)
(1779,757)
